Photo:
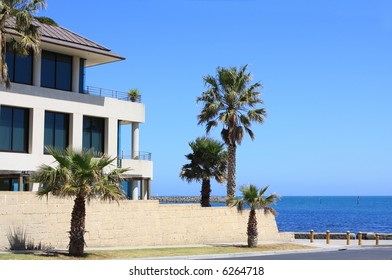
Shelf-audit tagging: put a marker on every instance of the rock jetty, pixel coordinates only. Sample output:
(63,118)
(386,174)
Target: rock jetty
(186,199)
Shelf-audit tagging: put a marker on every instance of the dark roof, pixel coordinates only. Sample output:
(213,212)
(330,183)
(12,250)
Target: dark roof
(58,35)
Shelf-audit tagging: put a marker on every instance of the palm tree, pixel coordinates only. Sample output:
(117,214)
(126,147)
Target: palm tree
(254,198)
(230,99)
(22,11)
(206,160)
(82,176)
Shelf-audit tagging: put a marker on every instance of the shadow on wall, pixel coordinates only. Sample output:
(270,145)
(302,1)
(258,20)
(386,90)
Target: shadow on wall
(19,241)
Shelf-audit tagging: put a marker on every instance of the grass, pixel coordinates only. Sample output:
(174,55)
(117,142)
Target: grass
(149,253)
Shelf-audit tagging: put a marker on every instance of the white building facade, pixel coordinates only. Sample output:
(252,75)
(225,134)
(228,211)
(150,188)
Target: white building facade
(48,104)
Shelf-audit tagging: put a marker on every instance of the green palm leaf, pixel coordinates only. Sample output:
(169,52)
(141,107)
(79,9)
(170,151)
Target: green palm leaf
(83,176)
(207,160)
(231,99)
(254,199)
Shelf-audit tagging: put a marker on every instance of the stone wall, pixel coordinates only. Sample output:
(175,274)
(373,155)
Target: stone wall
(127,224)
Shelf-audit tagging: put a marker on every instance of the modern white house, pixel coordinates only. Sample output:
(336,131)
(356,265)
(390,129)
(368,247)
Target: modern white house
(49,104)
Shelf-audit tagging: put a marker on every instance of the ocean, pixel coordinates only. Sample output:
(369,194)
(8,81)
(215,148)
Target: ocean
(334,213)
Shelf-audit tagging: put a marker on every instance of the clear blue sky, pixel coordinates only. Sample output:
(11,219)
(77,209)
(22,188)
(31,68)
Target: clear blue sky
(326,67)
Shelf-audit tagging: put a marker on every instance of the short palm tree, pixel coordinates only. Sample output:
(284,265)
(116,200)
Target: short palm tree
(207,160)
(254,199)
(22,11)
(231,100)
(84,177)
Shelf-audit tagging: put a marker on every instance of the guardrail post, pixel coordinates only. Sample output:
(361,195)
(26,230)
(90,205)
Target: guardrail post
(348,238)
(377,239)
(311,236)
(359,238)
(328,236)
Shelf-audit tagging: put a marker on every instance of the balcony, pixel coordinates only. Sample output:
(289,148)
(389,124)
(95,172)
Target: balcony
(140,165)
(120,95)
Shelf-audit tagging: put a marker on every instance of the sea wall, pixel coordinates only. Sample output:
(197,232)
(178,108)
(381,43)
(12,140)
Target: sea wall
(128,223)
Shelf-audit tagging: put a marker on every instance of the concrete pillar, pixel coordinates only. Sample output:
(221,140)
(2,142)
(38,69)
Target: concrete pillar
(148,189)
(135,140)
(144,188)
(76,131)
(111,128)
(135,190)
(37,69)
(21,183)
(75,73)
(37,131)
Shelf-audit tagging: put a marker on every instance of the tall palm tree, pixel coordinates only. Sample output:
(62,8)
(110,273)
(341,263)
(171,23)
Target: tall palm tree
(207,160)
(231,100)
(254,198)
(27,35)
(84,177)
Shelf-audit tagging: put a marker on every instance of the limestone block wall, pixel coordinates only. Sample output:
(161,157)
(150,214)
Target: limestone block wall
(127,223)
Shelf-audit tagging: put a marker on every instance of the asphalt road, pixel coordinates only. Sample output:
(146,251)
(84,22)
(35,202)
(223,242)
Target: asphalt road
(381,253)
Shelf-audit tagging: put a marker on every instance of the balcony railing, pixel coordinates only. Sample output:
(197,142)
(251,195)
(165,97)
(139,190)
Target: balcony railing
(138,156)
(120,95)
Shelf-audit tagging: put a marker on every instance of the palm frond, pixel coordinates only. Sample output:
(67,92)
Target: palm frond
(228,100)
(208,159)
(80,173)
(254,198)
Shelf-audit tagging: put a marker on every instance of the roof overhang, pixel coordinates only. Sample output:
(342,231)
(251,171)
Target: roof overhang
(64,41)
(93,56)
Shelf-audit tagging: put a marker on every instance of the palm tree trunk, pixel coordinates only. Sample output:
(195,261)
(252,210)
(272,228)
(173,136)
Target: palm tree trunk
(3,64)
(252,229)
(231,170)
(76,235)
(205,193)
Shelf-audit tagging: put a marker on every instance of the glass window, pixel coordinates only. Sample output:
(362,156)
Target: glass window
(82,75)
(14,129)
(5,128)
(48,69)
(64,72)
(5,184)
(19,139)
(20,67)
(56,130)
(93,133)
(56,71)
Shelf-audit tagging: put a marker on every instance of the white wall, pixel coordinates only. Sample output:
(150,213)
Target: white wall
(40,99)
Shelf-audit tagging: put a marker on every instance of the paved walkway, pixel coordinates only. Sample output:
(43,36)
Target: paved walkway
(317,245)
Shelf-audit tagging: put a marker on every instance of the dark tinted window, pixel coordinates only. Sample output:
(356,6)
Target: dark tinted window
(82,75)
(14,129)
(20,67)
(56,71)
(64,72)
(48,70)
(93,133)
(56,130)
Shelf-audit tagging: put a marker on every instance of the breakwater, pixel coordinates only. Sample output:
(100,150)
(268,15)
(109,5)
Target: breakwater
(186,199)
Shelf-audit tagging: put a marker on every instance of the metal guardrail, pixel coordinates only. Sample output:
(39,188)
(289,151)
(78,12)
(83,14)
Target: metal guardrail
(120,95)
(139,156)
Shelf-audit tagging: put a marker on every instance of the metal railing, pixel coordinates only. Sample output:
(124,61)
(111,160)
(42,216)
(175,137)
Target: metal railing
(120,95)
(138,156)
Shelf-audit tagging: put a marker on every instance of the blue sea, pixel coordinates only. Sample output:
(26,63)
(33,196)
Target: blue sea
(335,213)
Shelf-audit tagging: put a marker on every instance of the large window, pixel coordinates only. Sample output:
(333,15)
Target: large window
(14,129)
(56,71)
(12,184)
(56,130)
(93,133)
(82,74)
(20,67)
